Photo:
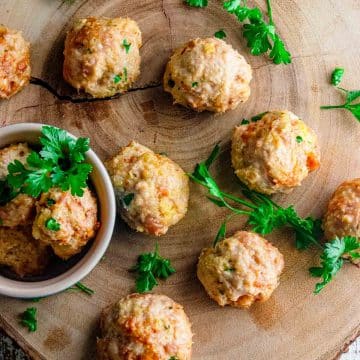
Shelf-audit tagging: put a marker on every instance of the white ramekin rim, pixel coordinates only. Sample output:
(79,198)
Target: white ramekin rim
(106,199)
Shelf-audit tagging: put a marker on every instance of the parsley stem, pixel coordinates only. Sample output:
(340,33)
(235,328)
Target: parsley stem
(332,107)
(271,22)
(238,200)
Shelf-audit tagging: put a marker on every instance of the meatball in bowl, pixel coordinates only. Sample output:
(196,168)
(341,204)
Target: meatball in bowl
(208,74)
(57,210)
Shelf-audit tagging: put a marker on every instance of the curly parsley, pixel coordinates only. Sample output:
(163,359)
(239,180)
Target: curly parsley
(60,163)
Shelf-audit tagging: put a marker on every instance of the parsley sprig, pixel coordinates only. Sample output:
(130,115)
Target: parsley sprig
(332,259)
(149,267)
(350,95)
(60,163)
(260,34)
(28,319)
(264,216)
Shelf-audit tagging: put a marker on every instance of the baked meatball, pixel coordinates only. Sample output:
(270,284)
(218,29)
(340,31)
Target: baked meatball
(14,62)
(65,222)
(275,153)
(342,217)
(144,327)
(153,190)
(208,74)
(21,209)
(20,252)
(240,270)
(101,55)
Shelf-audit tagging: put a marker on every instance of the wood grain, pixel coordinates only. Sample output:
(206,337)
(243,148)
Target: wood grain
(294,324)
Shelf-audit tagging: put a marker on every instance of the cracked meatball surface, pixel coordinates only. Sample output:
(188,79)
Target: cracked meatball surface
(342,217)
(240,270)
(101,55)
(208,74)
(275,153)
(145,327)
(76,217)
(15,68)
(21,209)
(21,252)
(153,190)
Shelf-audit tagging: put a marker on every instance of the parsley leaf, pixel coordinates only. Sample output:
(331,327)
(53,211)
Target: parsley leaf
(126,45)
(81,287)
(149,267)
(337,76)
(127,199)
(52,224)
(332,259)
(299,139)
(351,96)
(261,36)
(117,79)
(195,84)
(220,34)
(197,3)
(28,319)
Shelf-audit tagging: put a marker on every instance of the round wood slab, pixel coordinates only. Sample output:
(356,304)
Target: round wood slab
(294,323)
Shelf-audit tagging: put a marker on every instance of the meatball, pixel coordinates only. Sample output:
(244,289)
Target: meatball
(101,55)
(342,217)
(240,270)
(153,190)
(11,153)
(21,209)
(275,153)
(145,326)
(208,74)
(14,62)
(65,222)
(20,252)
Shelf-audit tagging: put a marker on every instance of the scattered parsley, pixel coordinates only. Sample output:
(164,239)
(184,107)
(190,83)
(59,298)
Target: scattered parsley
(125,74)
(264,216)
(7,193)
(299,139)
(60,163)
(261,35)
(126,45)
(332,259)
(351,96)
(117,79)
(173,358)
(337,76)
(28,319)
(52,224)
(149,267)
(127,199)
(195,84)
(197,3)
(220,34)
(244,122)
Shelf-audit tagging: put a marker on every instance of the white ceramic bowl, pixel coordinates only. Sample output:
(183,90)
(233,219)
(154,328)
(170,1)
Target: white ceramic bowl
(30,132)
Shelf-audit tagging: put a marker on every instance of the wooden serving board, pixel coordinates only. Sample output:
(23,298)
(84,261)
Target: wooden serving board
(294,323)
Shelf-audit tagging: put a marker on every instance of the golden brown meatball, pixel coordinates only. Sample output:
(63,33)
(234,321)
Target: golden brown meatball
(14,62)
(275,153)
(102,55)
(154,190)
(20,252)
(11,153)
(342,217)
(65,222)
(240,270)
(144,327)
(21,209)
(208,74)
